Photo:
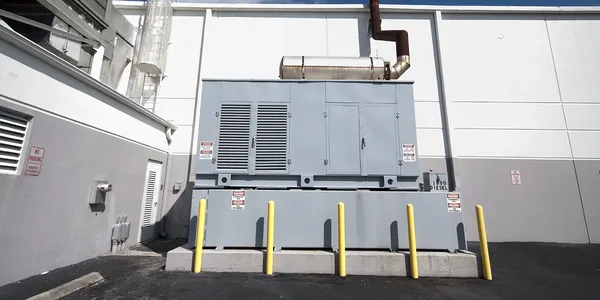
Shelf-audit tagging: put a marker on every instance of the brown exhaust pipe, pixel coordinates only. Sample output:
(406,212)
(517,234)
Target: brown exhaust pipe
(398,36)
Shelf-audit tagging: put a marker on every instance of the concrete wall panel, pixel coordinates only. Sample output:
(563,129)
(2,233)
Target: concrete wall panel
(545,207)
(497,58)
(430,142)
(575,43)
(510,143)
(507,116)
(588,174)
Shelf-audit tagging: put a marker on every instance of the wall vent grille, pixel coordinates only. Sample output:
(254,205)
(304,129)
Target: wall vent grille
(271,137)
(13,128)
(234,136)
(149,199)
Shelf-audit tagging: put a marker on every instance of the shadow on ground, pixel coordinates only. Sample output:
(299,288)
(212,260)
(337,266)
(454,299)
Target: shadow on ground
(521,271)
(160,246)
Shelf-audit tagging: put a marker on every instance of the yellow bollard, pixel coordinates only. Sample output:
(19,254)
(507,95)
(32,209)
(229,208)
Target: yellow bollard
(200,235)
(342,239)
(412,242)
(485,255)
(270,237)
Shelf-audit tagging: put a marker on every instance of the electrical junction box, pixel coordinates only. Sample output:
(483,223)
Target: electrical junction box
(98,192)
(307,134)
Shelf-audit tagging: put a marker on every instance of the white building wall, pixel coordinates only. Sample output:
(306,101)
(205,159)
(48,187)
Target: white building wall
(57,94)
(575,42)
(500,81)
(517,85)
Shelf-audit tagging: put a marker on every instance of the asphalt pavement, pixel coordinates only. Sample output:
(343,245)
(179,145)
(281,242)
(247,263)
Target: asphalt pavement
(520,270)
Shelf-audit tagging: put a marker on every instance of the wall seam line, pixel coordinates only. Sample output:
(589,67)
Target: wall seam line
(562,106)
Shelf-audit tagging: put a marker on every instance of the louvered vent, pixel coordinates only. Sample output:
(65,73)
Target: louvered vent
(234,136)
(271,137)
(149,198)
(12,137)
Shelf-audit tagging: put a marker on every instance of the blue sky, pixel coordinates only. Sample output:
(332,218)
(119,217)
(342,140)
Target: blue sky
(424,2)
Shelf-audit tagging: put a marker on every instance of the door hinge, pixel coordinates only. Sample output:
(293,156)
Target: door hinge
(289,115)
(216,113)
(289,161)
(400,162)
(324,114)
(214,160)
(325,161)
(397,115)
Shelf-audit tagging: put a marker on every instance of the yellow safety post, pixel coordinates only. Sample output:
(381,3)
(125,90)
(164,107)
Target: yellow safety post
(200,236)
(412,241)
(270,233)
(485,255)
(342,239)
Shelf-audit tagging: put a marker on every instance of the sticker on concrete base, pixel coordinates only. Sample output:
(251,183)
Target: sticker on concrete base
(206,150)
(453,200)
(238,200)
(409,153)
(515,176)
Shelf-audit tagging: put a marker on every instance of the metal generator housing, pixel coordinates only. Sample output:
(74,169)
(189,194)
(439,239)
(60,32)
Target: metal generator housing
(308,145)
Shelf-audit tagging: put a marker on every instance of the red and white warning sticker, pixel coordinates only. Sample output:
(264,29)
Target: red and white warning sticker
(238,200)
(206,150)
(409,153)
(453,200)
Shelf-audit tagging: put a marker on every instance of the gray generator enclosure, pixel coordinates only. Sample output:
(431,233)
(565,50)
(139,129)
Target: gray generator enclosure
(308,145)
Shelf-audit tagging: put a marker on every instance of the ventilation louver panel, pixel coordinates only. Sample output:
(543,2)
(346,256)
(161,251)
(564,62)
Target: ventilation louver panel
(271,137)
(149,199)
(13,128)
(234,136)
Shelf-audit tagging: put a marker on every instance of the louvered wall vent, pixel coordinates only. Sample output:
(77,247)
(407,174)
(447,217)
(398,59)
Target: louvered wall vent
(13,127)
(271,137)
(149,199)
(234,136)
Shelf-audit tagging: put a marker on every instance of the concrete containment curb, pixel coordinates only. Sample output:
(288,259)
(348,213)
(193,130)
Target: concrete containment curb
(373,263)
(69,287)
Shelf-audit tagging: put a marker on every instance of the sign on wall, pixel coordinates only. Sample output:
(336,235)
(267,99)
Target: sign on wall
(515,176)
(34,161)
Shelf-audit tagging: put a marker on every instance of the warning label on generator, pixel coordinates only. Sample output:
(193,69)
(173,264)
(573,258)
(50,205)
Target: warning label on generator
(453,200)
(206,150)
(238,200)
(409,153)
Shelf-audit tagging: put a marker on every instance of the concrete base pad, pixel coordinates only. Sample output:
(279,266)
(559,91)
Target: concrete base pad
(375,263)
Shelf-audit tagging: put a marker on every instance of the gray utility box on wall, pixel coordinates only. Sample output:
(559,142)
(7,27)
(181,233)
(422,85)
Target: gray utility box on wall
(308,145)
(290,134)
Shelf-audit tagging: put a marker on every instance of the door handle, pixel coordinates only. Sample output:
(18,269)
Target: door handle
(253,142)
(364,143)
